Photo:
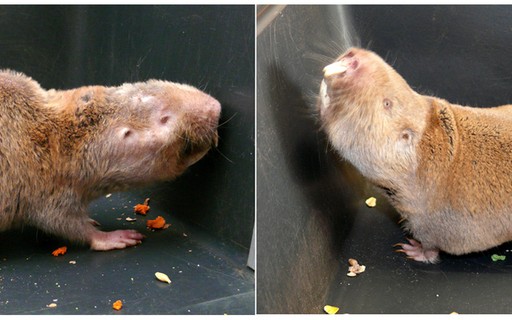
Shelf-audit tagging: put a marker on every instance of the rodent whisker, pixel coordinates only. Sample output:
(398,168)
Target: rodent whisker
(228,120)
(223,155)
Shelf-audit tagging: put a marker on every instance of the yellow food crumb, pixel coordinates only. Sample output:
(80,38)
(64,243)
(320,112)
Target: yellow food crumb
(371,202)
(331,309)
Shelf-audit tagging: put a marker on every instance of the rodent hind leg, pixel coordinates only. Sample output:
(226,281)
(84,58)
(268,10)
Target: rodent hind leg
(415,251)
(118,239)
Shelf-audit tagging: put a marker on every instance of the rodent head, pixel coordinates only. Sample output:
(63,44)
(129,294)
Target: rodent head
(139,133)
(370,114)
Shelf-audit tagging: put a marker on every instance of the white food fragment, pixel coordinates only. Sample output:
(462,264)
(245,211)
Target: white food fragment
(355,268)
(162,277)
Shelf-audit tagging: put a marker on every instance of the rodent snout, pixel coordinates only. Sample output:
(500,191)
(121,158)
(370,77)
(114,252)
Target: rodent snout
(214,109)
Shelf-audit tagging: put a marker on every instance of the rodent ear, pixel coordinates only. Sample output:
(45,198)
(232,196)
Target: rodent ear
(407,135)
(387,103)
(126,134)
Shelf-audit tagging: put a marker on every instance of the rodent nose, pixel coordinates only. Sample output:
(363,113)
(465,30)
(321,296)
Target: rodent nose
(214,107)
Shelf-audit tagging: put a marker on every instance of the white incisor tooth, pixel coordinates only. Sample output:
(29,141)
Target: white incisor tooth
(324,97)
(334,68)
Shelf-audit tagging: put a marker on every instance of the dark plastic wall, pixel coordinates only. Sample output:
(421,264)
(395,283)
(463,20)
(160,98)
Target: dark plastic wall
(311,212)
(298,198)
(211,47)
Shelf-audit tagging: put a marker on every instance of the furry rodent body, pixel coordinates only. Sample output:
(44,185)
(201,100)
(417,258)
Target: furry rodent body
(446,168)
(59,150)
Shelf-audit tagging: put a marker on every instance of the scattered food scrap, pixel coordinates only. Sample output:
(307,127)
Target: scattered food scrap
(371,202)
(108,195)
(131,219)
(142,208)
(72,262)
(162,277)
(331,309)
(158,223)
(117,305)
(355,268)
(52,305)
(59,251)
(497,257)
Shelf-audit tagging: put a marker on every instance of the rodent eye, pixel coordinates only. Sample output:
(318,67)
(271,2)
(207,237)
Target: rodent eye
(164,119)
(387,104)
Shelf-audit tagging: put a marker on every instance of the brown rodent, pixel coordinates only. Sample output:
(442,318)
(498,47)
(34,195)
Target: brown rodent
(59,150)
(447,169)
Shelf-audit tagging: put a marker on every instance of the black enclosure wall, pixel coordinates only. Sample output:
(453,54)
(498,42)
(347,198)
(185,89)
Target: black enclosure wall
(311,212)
(210,208)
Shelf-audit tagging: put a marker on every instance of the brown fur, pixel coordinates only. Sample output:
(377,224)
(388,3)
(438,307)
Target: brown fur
(446,168)
(59,150)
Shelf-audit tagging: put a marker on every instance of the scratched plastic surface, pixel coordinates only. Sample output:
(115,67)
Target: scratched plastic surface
(311,212)
(208,276)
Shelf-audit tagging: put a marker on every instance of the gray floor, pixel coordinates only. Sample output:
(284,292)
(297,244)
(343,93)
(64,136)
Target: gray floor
(209,276)
(393,284)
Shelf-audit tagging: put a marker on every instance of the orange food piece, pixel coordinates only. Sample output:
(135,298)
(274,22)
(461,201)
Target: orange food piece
(117,305)
(59,251)
(142,208)
(158,223)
